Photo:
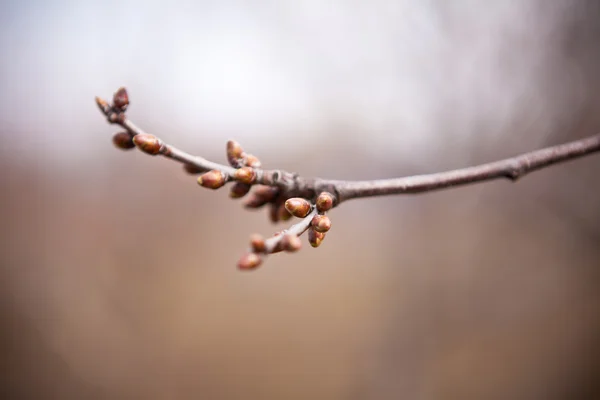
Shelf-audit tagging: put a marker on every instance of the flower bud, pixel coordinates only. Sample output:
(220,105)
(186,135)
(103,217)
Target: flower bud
(102,104)
(257,242)
(238,190)
(252,161)
(298,207)
(245,175)
(315,238)
(261,196)
(321,223)
(273,212)
(283,213)
(324,202)
(123,140)
(121,99)
(291,243)
(249,261)
(149,144)
(235,153)
(212,179)
(192,169)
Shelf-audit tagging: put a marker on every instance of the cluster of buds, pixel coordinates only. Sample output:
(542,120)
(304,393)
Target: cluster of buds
(244,172)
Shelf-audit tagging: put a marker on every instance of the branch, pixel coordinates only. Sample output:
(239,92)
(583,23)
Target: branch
(287,194)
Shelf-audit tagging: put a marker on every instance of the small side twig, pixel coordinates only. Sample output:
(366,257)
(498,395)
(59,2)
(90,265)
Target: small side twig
(287,194)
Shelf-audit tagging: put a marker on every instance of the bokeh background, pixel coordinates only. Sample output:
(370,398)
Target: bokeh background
(118,276)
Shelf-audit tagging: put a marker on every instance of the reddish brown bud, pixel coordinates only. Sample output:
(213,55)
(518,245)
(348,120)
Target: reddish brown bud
(315,238)
(252,161)
(212,179)
(121,99)
(245,175)
(321,223)
(123,140)
(291,243)
(192,169)
(261,196)
(257,242)
(238,190)
(102,104)
(283,213)
(273,212)
(235,153)
(324,202)
(249,261)
(149,144)
(298,207)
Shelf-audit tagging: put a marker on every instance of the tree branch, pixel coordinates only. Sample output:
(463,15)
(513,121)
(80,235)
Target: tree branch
(287,194)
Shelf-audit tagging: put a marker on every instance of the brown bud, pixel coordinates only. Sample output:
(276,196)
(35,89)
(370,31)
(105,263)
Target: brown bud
(252,161)
(123,140)
(273,212)
(249,261)
(257,242)
(245,175)
(102,104)
(235,153)
(315,238)
(149,144)
(212,179)
(291,243)
(238,190)
(324,202)
(283,213)
(121,99)
(321,223)
(192,169)
(298,207)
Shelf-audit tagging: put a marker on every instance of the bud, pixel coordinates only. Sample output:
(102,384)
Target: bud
(121,99)
(245,175)
(298,207)
(238,190)
(321,223)
(291,243)
(273,212)
(257,242)
(102,104)
(149,144)
(235,153)
(123,140)
(315,238)
(249,261)
(212,179)
(324,202)
(252,161)
(192,169)
(283,213)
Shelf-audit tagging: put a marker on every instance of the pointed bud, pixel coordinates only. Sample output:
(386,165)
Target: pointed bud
(315,238)
(298,207)
(212,179)
(149,144)
(121,99)
(238,190)
(321,223)
(291,243)
(123,140)
(261,196)
(192,169)
(252,161)
(245,175)
(102,104)
(257,242)
(283,213)
(249,261)
(324,202)
(235,153)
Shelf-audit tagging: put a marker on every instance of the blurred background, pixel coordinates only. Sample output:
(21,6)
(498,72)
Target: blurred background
(118,275)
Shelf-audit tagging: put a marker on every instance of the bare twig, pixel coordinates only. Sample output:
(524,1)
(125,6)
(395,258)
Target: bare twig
(289,194)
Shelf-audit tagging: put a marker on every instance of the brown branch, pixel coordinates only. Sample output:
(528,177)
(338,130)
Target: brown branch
(287,194)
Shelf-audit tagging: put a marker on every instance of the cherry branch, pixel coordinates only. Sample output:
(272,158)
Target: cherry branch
(287,194)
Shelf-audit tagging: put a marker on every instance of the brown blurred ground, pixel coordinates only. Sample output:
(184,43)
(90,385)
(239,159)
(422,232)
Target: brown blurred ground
(118,277)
